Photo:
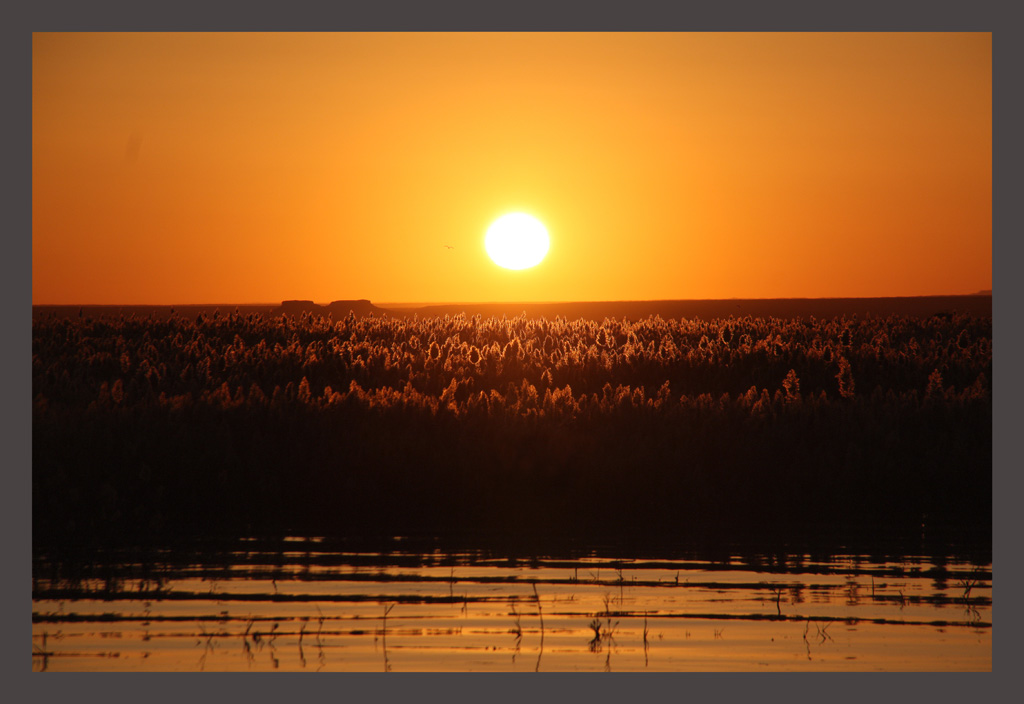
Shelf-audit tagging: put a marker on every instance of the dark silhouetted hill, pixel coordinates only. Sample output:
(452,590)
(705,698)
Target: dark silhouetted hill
(336,309)
(360,307)
(919,306)
(113,312)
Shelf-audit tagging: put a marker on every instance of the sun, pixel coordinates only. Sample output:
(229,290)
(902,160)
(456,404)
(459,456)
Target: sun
(517,241)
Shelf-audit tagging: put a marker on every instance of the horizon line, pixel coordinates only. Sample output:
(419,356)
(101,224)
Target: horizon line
(425,304)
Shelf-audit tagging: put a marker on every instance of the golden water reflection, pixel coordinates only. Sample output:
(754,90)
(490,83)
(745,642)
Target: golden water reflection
(314,610)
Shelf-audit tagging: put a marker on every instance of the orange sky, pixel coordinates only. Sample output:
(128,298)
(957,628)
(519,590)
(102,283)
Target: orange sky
(245,168)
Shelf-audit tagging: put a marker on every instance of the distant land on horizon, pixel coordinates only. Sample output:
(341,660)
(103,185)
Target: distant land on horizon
(978,303)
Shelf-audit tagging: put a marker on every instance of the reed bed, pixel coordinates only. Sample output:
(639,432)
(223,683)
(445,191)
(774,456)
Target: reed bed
(236,423)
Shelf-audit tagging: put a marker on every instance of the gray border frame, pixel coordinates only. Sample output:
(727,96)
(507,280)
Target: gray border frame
(409,15)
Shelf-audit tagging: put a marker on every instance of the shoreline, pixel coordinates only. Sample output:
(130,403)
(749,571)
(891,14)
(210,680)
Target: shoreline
(919,306)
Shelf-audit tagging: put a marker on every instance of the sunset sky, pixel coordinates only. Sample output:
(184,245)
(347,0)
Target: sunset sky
(253,168)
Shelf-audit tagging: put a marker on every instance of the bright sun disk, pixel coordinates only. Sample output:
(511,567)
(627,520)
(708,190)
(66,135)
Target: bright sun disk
(517,241)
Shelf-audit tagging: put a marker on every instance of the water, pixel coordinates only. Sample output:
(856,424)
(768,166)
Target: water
(314,605)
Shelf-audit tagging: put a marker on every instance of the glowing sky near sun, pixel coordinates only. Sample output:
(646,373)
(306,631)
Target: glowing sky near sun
(244,168)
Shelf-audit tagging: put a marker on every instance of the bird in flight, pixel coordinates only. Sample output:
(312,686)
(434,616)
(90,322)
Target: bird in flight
(448,246)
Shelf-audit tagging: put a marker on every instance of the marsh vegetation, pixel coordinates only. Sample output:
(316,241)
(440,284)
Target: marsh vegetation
(509,427)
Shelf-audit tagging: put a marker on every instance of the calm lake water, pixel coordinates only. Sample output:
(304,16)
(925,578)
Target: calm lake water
(308,604)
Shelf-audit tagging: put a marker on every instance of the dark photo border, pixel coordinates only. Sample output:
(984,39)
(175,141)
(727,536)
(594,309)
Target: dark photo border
(407,15)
